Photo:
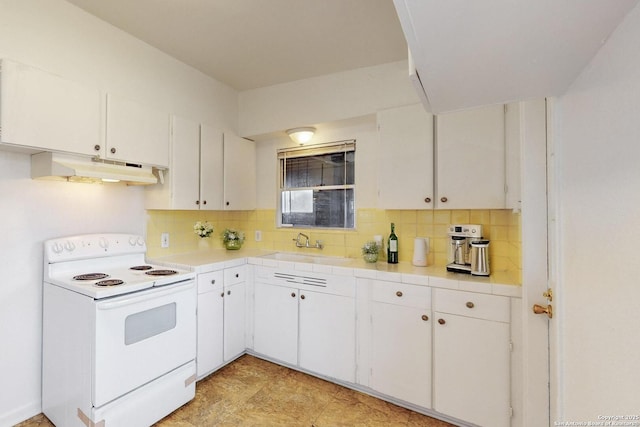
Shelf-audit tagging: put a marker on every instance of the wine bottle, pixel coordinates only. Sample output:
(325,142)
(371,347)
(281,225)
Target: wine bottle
(392,246)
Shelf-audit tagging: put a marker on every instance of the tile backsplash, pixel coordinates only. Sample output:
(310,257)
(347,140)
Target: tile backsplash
(502,227)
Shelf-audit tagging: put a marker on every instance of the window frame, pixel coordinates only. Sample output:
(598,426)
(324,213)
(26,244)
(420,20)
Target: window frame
(344,146)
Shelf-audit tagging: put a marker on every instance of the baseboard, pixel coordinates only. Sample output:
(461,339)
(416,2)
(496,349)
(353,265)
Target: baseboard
(20,414)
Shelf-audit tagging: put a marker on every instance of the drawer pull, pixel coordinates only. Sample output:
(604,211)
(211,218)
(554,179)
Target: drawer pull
(425,317)
(470,304)
(441,321)
(302,296)
(229,292)
(237,275)
(222,295)
(398,294)
(213,282)
(293,294)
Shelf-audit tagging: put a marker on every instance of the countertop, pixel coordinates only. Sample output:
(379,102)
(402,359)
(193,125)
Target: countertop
(499,283)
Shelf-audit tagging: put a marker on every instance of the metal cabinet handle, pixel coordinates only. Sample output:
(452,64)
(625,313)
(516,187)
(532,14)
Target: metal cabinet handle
(470,304)
(113,150)
(441,321)
(293,294)
(302,296)
(227,203)
(96,147)
(427,199)
(425,317)
(213,281)
(222,295)
(443,199)
(228,292)
(237,275)
(197,202)
(204,202)
(398,294)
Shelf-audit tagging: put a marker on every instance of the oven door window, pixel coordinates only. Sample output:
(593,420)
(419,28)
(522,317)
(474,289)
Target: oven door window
(149,323)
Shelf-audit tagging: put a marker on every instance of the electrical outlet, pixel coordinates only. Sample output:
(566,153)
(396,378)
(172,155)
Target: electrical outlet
(164,240)
(258,235)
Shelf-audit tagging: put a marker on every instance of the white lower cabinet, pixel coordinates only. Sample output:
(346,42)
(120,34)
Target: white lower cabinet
(210,327)
(327,335)
(471,358)
(307,328)
(401,342)
(221,318)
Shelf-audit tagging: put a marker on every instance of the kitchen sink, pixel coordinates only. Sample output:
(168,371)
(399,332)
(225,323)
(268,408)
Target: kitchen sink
(311,259)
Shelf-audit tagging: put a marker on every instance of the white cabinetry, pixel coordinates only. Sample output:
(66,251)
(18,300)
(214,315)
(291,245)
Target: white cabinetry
(43,111)
(401,341)
(194,178)
(136,133)
(210,328)
(470,159)
(239,173)
(235,290)
(405,178)
(311,326)
(221,318)
(471,362)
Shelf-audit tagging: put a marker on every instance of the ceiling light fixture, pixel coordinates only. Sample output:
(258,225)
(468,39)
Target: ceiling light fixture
(301,135)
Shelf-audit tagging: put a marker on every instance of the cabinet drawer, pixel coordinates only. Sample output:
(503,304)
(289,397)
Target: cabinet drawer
(235,275)
(211,281)
(480,306)
(402,294)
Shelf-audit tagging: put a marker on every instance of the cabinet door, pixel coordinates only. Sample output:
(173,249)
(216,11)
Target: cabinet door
(234,320)
(183,172)
(211,168)
(470,159)
(401,352)
(406,158)
(136,133)
(210,330)
(472,369)
(327,335)
(275,332)
(239,173)
(44,111)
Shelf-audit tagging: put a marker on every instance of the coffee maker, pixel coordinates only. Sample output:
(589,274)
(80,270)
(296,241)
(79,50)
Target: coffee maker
(460,238)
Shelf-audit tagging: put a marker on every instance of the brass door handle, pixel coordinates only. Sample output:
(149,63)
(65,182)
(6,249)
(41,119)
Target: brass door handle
(538,309)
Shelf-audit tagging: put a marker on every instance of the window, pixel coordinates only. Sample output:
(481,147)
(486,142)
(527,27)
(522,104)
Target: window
(317,185)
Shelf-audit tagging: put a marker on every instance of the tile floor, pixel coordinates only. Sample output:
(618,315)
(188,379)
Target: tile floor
(254,392)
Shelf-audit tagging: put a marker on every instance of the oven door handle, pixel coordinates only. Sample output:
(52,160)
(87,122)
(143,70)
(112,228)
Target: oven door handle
(136,298)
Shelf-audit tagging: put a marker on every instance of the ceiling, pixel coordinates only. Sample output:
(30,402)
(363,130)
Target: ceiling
(468,53)
(248,44)
(471,53)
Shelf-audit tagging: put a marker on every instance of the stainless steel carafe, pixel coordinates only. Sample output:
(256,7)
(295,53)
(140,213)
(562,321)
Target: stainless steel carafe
(480,258)
(459,248)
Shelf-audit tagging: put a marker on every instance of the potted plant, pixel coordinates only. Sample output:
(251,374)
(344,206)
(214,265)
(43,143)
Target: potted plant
(232,239)
(370,251)
(203,228)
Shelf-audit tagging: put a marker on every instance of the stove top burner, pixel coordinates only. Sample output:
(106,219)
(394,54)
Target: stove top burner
(110,282)
(141,267)
(161,272)
(91,276)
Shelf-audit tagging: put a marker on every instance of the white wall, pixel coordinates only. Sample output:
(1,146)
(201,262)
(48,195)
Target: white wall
(598,173)
(328,98)
(362,129)
(55,36)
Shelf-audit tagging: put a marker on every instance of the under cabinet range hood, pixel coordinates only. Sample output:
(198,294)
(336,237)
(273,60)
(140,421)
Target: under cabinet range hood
(47,165)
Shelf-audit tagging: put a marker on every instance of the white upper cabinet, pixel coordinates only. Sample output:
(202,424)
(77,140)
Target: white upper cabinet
(43,111)
(239,173)
(194,178)
(136,133)
(405,179)
(470,159)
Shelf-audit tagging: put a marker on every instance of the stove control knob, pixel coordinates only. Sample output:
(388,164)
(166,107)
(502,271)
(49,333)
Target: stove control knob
(140,241)
(70,246)
(104,243)
(57,248)
(132,240)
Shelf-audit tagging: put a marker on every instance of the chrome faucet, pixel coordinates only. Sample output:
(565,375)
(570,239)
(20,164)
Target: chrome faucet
(306,244)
